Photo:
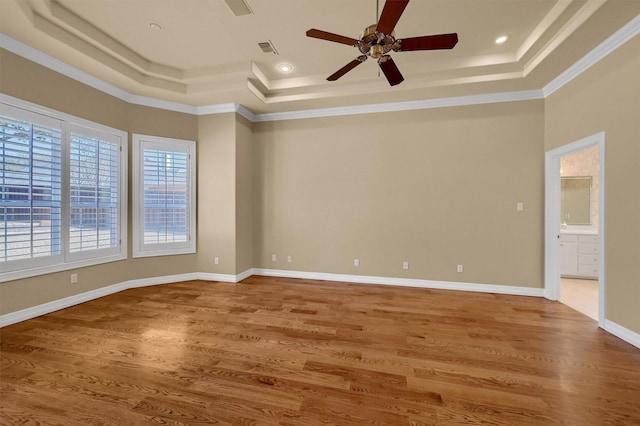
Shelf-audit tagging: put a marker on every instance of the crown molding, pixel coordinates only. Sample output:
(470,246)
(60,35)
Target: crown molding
(216,109)
(404,106)
(40,58)
(244,111)
(166,105)
(620,37)
(225,108)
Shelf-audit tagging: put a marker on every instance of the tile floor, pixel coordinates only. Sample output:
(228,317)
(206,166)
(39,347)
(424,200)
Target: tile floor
(581,295)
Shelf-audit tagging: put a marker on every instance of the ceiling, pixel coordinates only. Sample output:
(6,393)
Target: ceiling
(198,52)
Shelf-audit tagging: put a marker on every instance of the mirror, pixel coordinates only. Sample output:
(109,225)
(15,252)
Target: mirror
(576,200)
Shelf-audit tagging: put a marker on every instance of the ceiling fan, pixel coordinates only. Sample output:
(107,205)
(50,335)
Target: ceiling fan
(378,40)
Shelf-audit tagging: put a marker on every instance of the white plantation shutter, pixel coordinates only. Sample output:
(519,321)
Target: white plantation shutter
(62,191)
(94,171)
(164,196)
(30,187)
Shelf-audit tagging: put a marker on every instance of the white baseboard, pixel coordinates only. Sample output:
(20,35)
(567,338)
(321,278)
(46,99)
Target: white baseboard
(228,278)
(36,311)
(246,274)
(45,308)
(623,333)
(207,276)
(404,282)
(145,282)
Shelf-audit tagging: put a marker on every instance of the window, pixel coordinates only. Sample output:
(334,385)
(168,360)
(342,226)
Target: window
(62,191)
(93,200)
(163,196)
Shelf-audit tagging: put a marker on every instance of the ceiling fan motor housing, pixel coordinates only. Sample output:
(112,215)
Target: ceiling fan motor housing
(376,44)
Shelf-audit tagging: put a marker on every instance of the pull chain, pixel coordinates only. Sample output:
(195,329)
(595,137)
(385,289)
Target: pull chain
(378,14)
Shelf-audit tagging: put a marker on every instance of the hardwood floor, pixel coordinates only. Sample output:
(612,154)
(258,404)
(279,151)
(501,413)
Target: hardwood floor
(298,352)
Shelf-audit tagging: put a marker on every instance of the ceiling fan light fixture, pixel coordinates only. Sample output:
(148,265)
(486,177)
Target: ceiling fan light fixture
(376,51)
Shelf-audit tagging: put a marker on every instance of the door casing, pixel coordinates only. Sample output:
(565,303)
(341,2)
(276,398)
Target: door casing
(552,219)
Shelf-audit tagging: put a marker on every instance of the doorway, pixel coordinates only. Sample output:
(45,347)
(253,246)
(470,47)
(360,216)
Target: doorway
(574,225)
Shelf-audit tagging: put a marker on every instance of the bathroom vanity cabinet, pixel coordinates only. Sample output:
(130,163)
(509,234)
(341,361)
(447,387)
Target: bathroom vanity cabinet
(579,255)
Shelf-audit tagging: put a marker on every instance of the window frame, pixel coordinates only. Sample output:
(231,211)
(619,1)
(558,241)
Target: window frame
(26,268)
(139,143)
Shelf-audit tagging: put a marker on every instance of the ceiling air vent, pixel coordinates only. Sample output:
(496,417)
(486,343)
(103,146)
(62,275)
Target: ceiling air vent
(238,7)
(267,47)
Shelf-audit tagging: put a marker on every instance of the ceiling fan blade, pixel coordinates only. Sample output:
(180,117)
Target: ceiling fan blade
(351,65)
(431,42)
(390,70)
(323,35)
(390,15)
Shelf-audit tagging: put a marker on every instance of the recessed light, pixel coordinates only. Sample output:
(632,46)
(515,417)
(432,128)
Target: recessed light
(155,26)
(285,67)
(501,39)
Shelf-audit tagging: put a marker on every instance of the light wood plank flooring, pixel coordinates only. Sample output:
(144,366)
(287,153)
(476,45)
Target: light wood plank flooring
(299,352)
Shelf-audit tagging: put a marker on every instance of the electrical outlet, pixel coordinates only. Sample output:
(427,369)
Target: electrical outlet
(405,265)
(74,278)
(356,262)
(289,258)
(216,260)
(273,258)
(460,268)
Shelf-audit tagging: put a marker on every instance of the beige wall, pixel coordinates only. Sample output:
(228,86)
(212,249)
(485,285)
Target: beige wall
(244,195)
(26,80)
(434,187)
(607,98)
(225,197)
(217,193)
(31,82)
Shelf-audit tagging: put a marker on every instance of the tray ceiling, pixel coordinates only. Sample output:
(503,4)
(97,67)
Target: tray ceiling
(198,52)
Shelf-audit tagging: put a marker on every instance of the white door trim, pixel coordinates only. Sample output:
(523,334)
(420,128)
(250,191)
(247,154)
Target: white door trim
(552,219)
